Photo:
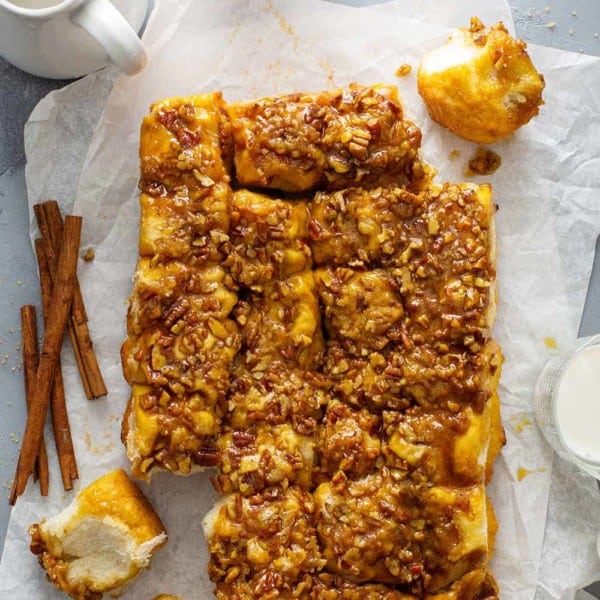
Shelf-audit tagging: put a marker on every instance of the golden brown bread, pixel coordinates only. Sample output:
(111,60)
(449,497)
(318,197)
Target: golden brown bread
(263,543)
(333,139)
(330,355)
(482,84)
(283,323)
(185,142)
(385,528)
(181,343)
(268,238)
(261,456)
(101,540)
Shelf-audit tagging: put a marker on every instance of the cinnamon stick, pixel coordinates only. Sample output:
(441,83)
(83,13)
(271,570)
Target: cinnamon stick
(58,404)
(62,432)
(29,349)
(50,223)
(60,307)
(29,354)
(55,228)
(91,377)
(83,375)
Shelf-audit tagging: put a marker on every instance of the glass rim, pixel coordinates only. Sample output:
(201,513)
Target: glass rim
(584,343)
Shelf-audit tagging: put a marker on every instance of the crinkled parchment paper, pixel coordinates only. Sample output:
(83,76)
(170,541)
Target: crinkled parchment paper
(547,189)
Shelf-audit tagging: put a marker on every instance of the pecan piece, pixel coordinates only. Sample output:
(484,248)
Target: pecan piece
(207,456)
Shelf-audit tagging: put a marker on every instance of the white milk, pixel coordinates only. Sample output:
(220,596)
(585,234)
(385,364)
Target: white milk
(578,405)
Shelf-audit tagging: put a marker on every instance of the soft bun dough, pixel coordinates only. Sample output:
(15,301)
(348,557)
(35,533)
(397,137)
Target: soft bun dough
(101,540)
(481,84)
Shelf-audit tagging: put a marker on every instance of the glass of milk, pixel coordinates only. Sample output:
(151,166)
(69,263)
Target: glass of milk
(567,404)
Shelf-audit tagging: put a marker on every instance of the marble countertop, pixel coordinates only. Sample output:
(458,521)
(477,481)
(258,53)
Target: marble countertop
(569,24)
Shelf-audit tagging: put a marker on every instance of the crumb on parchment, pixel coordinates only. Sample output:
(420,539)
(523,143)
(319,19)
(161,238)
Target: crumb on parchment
(483,162)
(520,423)
(403,70)
(89,255)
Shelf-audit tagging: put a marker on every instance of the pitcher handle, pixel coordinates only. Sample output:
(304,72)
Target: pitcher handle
(112,31)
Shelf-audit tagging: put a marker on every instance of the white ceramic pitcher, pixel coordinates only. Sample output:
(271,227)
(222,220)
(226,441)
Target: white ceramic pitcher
(68,38)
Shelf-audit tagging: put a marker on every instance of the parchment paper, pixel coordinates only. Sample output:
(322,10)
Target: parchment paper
(547,190)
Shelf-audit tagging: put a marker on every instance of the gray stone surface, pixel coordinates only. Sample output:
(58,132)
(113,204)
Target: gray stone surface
(570,24)
(18,285)
(19,93)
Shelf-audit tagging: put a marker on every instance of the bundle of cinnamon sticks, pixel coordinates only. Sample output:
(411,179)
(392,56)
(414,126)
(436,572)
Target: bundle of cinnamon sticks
(63,308)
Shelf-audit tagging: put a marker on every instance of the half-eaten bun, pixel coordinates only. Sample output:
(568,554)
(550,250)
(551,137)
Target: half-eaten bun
(101,540)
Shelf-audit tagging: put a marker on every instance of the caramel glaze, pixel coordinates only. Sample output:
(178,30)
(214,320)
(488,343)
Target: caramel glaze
(328,352)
